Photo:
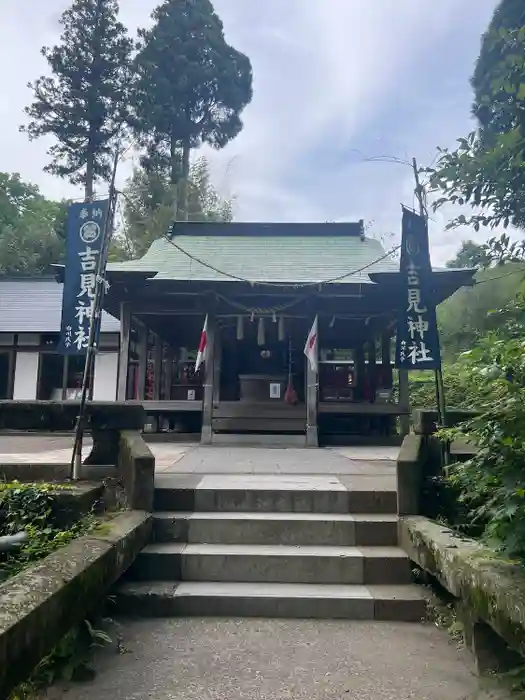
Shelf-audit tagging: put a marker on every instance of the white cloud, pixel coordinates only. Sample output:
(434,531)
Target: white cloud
(330,76)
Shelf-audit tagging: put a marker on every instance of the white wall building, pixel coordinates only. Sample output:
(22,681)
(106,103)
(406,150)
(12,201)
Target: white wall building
(30,366)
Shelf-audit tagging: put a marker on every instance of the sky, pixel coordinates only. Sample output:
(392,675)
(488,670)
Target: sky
(336,82)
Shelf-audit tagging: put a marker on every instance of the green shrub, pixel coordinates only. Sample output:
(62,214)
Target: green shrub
(491,485)
(28,507)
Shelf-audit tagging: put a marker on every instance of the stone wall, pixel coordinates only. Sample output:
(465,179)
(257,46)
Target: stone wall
(489,590)
(42,603)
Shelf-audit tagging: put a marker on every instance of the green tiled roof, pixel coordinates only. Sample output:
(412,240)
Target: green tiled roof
(269,258)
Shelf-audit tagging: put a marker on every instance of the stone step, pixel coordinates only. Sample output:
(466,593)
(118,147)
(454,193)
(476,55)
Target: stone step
(355,602)
(275,494)
(272,564)
(337,529)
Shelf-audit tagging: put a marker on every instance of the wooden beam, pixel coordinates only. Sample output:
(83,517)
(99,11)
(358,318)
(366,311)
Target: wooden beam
(123,363)
(207,404)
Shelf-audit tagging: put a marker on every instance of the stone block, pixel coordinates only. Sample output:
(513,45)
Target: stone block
(410,475)
(136,468)
(42,603)
(490,588)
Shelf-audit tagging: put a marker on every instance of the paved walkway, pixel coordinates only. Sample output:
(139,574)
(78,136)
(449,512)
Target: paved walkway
(207,659)
(186,659)
(176,458)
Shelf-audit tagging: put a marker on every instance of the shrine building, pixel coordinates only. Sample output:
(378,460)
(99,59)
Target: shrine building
(260,287)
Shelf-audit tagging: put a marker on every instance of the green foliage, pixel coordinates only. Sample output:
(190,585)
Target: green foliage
(28,507)
(85,102)
(501,113)
(470,254)
(462,389)
(492,484)
(70,660)
(149,199)
(32,228)
(487,170)
(492,304)
(191,85)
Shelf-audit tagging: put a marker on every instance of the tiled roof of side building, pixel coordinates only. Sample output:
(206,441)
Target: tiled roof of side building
(264,252)
(34,305)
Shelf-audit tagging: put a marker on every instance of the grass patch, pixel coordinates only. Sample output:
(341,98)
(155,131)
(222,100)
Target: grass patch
(29,508)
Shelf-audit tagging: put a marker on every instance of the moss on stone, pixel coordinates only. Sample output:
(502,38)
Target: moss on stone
(493,588)
(42,603)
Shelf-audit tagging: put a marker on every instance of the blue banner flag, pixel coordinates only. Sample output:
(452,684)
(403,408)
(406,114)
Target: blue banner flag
(85,234)
(417,344)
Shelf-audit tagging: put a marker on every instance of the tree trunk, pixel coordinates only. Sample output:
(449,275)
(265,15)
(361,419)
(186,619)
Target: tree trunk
(182,209)
(174,176)
(89,176)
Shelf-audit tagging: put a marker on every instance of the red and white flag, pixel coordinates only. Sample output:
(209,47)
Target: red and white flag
(310,349)
(203,346)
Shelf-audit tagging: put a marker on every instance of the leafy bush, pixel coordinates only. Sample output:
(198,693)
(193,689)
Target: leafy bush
(492,484)
(462,388)
(28,507)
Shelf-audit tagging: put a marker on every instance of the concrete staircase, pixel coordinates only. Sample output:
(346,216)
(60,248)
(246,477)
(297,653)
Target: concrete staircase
(302,547)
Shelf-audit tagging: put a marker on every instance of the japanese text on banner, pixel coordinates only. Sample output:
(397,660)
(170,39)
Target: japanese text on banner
(417,344)
(85,234)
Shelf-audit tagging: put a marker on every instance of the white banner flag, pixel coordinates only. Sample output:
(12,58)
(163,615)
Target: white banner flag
(310,349)
(203,346)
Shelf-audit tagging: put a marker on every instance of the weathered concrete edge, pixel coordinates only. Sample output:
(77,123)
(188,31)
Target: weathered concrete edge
(42,603)
(409,473)
(492,589)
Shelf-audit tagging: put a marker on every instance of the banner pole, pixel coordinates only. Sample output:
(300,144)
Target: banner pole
(440,388)
(94,326)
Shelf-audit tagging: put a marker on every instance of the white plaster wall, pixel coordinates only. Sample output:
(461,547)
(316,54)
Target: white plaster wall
(26,376)
(106,371)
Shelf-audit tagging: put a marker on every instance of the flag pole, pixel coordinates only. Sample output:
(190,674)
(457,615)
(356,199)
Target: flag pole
(94,326)
(440,389)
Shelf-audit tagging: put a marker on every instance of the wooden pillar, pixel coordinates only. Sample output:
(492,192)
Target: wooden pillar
(168,376)
(359,357)
(385,350)
(143,361)
(207,403)
(312,392)
(11,374)
(157,363)
(65,373)
(123,363)
(372,368)
(217,356)
(404,401)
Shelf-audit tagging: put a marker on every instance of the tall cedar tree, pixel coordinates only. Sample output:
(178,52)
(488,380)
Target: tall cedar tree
(486,170)
(148,210)
(192,86)
(85,103)
(500,110)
